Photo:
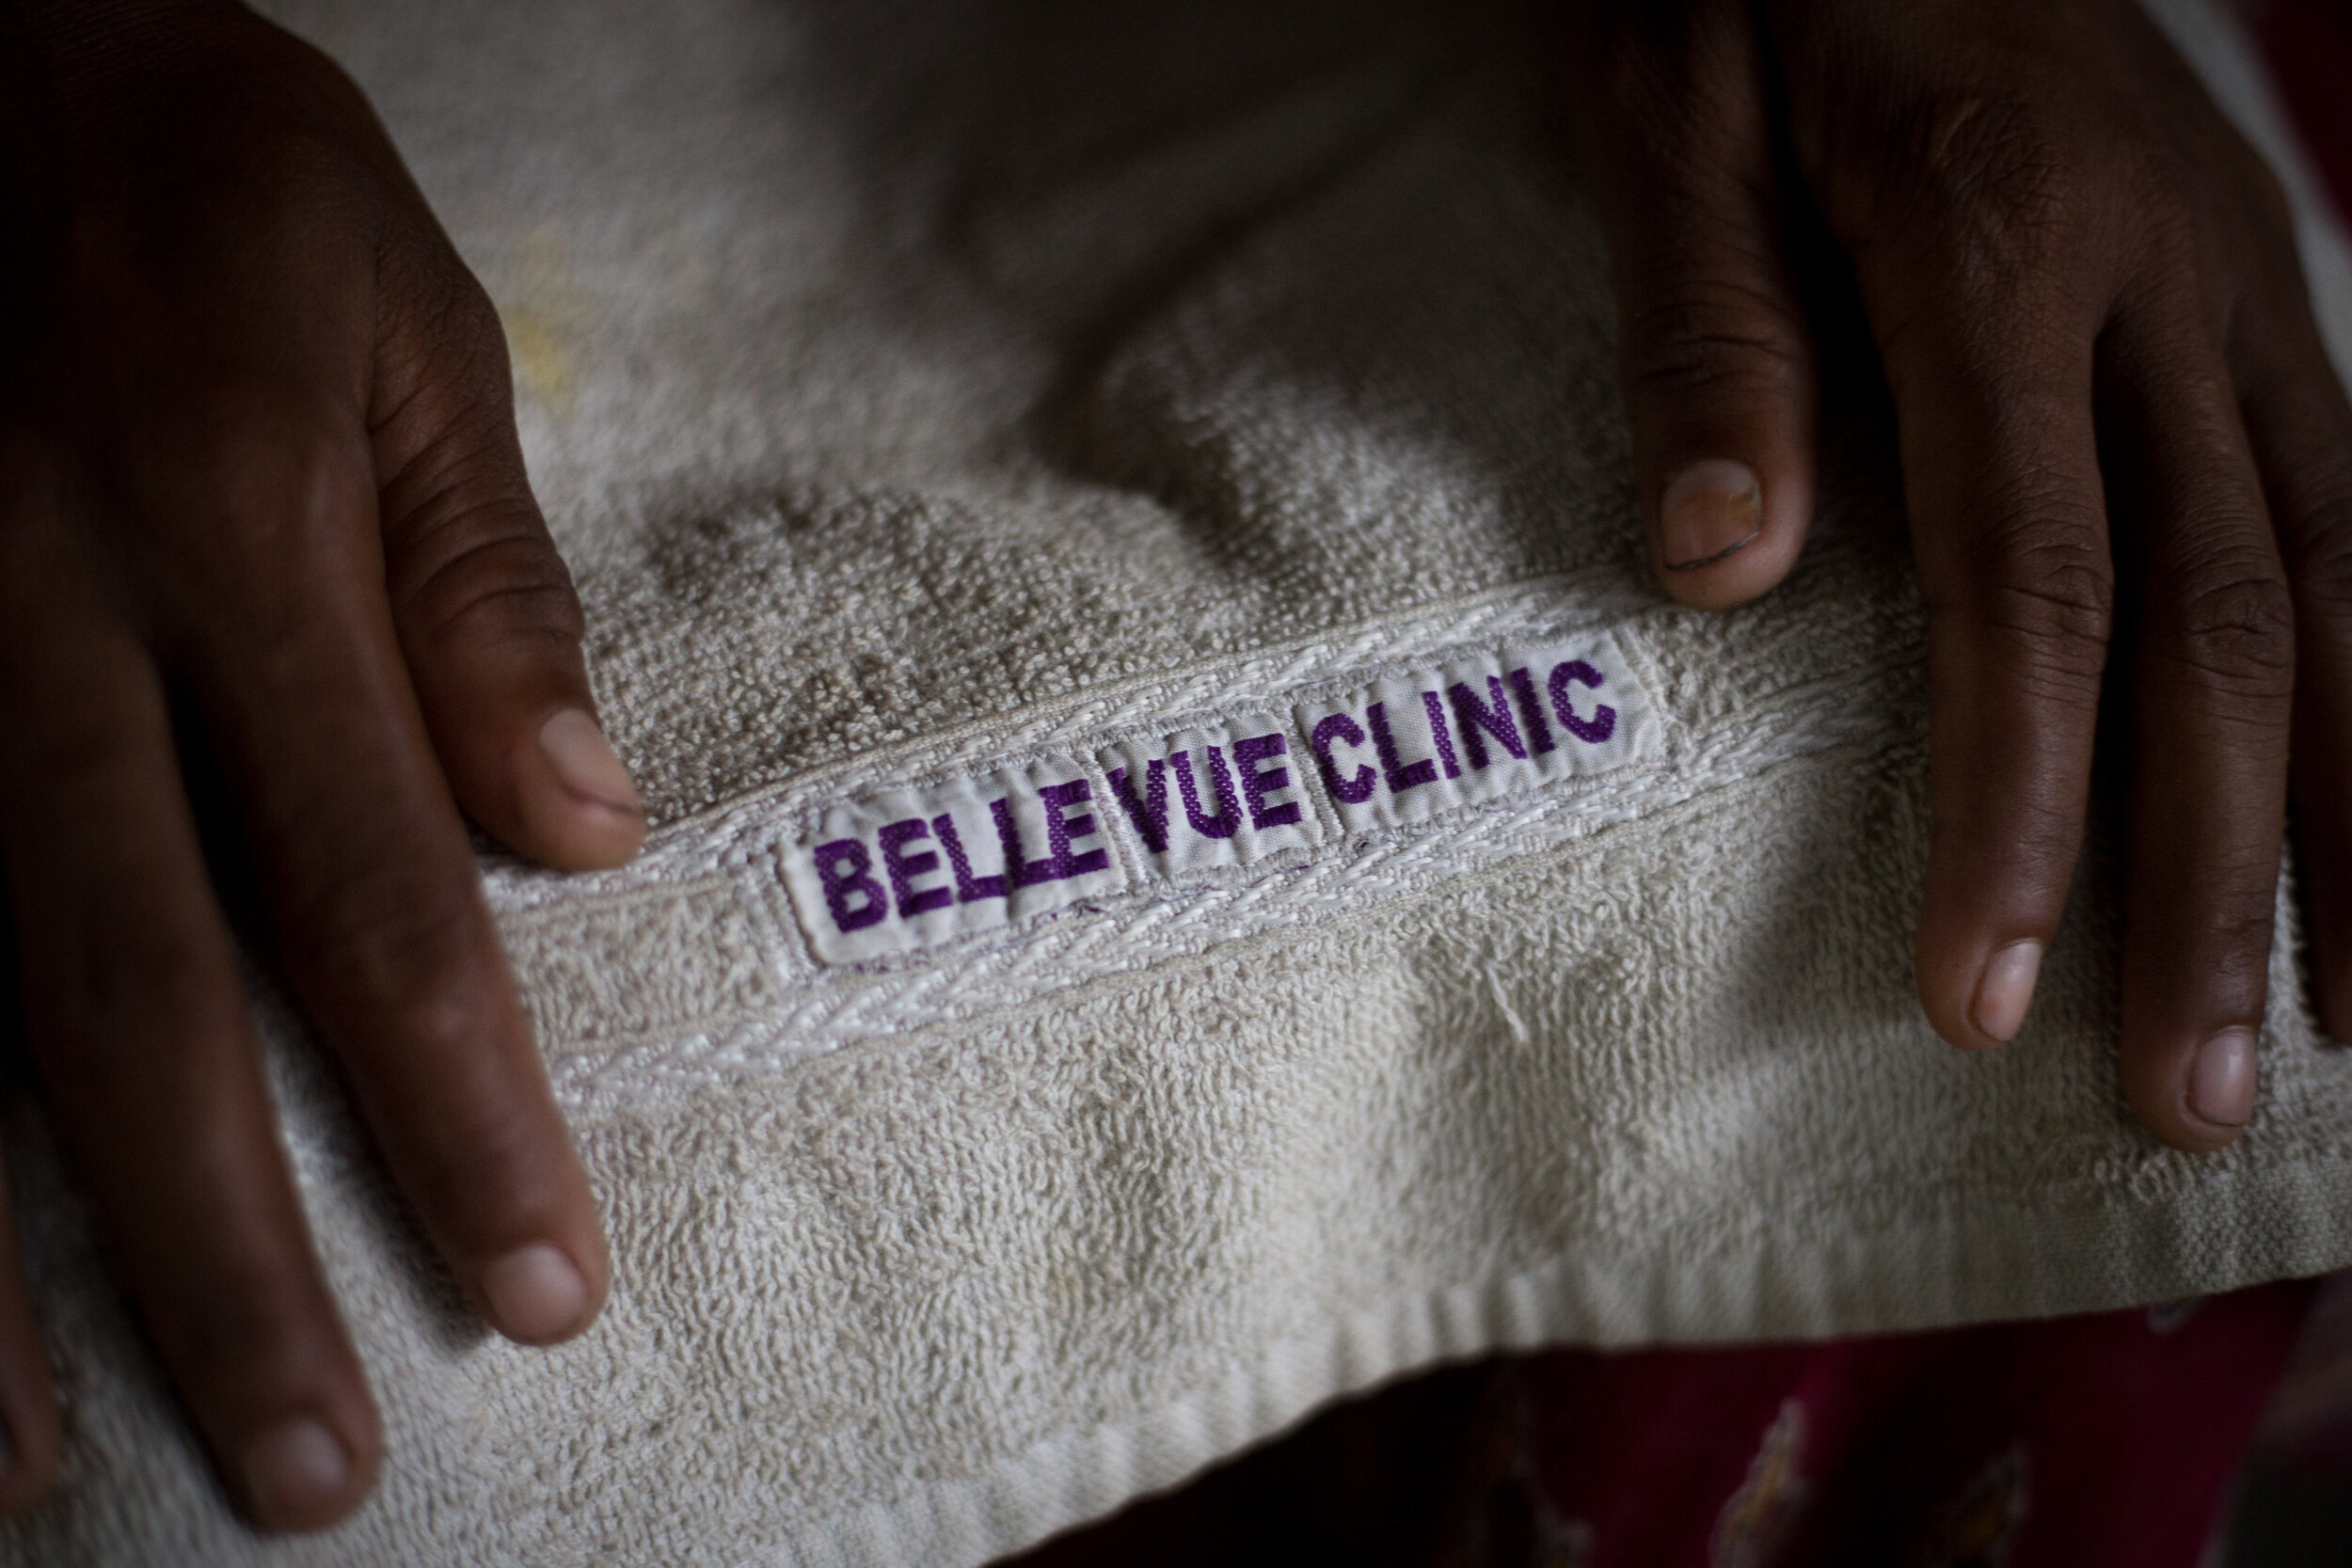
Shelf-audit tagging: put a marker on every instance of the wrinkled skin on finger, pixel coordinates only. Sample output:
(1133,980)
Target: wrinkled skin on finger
(2127,465)
(258,468)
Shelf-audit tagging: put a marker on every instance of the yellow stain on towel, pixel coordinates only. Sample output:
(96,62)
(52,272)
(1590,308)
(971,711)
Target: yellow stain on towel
(542,362)
(542,320)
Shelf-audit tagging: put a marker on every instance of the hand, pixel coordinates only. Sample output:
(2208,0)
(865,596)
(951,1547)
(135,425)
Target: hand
(259,476)
(2122,444)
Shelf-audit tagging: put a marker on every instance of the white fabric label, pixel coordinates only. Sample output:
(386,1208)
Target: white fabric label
(908,868)
(1482,729)
(1224,794)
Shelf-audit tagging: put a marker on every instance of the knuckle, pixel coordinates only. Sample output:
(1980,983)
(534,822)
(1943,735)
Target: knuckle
(1997,159)
(406,950)
(2234,623)
(490,583)
(451,1012)
(462,313)
(2053,589)
(257,461)
(451,355)
(1716,334)
(2244,910)
(249,502)
(2001,188)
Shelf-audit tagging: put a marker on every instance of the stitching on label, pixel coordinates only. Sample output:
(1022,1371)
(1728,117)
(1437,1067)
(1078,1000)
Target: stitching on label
(919,865)
(1851,700)
(1845,693)
(1474,731)
(1225,792)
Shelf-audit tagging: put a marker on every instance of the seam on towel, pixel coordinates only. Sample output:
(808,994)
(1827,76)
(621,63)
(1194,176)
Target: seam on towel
(735,851)
(1403,862)
(702,1057)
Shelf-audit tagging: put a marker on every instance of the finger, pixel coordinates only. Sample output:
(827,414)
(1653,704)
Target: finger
(1716,355)
(2300,429)
(2213,684)
(481,603)
(138,1023)
(2008,514)
(374,894)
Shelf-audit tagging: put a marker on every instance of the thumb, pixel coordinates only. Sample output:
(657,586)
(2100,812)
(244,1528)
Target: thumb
(1717,358)
(481,602)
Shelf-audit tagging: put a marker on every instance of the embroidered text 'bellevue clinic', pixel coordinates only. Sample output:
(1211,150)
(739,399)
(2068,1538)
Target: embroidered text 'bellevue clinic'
(901,869)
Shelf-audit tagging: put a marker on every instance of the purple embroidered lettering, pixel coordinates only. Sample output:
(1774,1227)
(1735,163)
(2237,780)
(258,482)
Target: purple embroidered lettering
(1149,815)
(1602,724)
(1228,815)
(1219,764)
(1339,726)
(1491,731)
(1393,772)
(1430,705)
(1018,872)
(1474,716)
(1508,723)
(903,868)
(1057,861)
(1059,829)
(1256,786)
(1524,687)
(842,866)
(969,889)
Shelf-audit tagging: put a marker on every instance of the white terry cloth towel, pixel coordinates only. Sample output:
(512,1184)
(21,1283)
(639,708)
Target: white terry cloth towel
(1195,871)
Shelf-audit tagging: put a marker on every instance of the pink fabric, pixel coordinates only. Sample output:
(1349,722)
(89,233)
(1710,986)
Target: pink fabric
(2110,1438)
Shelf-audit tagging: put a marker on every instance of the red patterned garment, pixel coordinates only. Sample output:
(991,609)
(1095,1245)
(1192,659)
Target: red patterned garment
(2067,1443)
(2077,1441)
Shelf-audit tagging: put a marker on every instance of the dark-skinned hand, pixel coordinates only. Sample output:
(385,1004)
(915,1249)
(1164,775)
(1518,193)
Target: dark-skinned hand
(2125,459)
(260,485)
(258,470)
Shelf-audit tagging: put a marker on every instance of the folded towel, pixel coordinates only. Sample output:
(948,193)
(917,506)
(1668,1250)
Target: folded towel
(1194,870)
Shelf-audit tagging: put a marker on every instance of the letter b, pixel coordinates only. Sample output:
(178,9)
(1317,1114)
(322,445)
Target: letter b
(844,867)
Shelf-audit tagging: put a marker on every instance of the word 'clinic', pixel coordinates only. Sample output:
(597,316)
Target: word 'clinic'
(906,869)
(1481,722)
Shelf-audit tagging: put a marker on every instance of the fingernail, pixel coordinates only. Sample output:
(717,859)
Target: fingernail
(1710,509)
(2007,990)
(535,1292)
(584,759)
(2221,1081)
(297,1470)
